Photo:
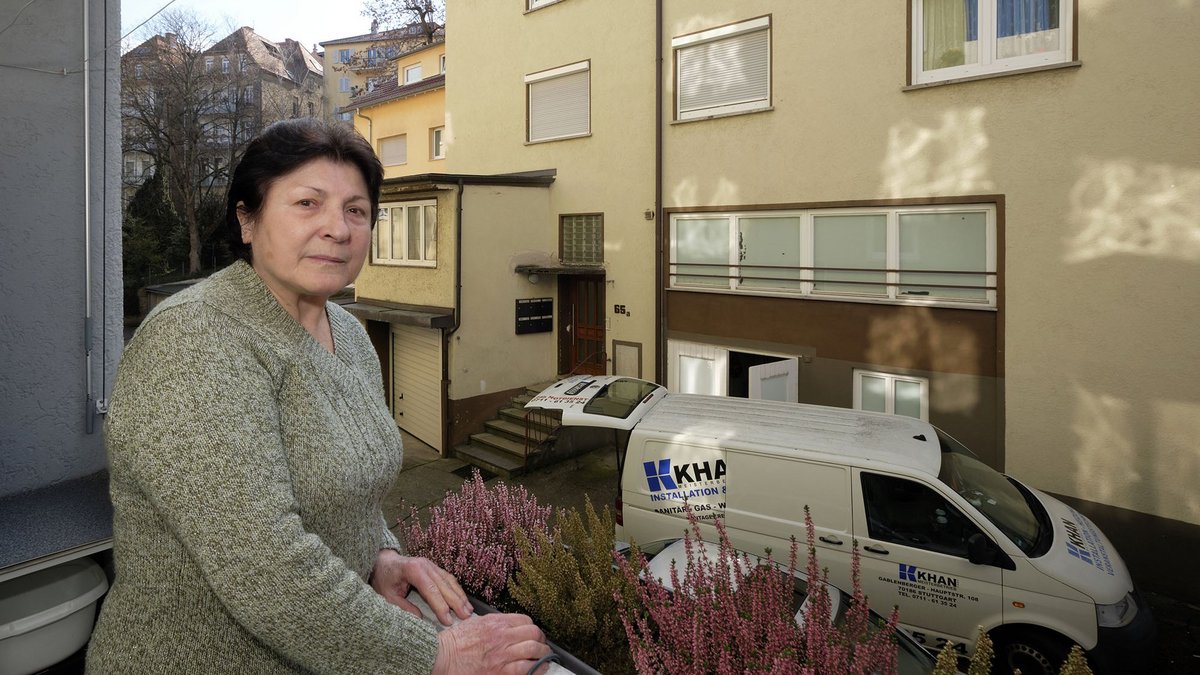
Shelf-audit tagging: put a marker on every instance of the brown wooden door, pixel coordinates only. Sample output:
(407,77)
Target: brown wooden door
(583,325)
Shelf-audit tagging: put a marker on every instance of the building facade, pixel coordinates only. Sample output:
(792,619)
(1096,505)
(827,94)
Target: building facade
(355,65)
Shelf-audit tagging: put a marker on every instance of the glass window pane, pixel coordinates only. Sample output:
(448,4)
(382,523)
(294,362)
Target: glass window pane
(770,252)
(701,248)
(935,248)
(908,398)
(397,248)
(1026,27)
(414,233)
(430,232)
(951,33)
(857,242)
(874,394)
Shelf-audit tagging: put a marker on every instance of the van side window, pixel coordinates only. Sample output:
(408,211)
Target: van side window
(905,512)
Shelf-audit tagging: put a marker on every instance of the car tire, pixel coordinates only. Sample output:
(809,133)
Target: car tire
(1032,651)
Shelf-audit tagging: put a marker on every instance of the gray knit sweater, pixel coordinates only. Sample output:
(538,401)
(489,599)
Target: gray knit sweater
(248,465)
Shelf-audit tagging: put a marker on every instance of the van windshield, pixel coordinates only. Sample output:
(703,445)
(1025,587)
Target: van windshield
(1000,499)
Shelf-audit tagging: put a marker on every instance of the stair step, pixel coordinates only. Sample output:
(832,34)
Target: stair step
(497,442)
(514,430)
(495,461)
(545,420)
(521,399)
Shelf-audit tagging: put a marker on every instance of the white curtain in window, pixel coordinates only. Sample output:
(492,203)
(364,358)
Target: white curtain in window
(933,245)
(700,245)
(723,72)
(560,107)
(430,232)
(769,252)
(850,241)
(950,30)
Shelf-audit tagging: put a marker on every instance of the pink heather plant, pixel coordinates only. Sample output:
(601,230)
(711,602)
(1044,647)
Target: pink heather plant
(472,533)
(734,615)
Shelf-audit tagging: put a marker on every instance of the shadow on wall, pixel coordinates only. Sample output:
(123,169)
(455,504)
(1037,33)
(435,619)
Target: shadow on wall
(1137,241)
(1121,206)
(918,340)
(946,160)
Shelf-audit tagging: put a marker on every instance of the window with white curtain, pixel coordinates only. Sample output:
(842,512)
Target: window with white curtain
(393,150)
(559,102)
(943,255)
(406,234)
(723,70)
(891,394)
(965,38)
(412,74)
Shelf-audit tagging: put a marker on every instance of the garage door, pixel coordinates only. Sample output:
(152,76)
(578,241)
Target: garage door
(417,382)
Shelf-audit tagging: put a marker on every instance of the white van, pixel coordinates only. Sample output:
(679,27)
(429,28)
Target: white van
(955,544)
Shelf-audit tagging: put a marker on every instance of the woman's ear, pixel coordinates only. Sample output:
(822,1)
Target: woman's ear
(245,221)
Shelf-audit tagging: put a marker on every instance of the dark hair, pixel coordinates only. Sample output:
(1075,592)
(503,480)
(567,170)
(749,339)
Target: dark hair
(284,147)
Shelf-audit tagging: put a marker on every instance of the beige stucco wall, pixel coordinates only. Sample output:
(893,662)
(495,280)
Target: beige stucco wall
(486,354)
(1100,169)
(416,117)
(410,285)
(610,172)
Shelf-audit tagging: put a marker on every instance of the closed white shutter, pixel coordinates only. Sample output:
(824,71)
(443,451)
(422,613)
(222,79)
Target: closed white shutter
(729,74)
(393,150)
(417,382)
(694,368)
(560,105)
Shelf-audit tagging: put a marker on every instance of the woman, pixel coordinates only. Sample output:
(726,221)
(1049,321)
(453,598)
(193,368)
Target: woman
(250,449)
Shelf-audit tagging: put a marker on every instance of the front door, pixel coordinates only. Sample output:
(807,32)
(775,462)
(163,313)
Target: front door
(582,325)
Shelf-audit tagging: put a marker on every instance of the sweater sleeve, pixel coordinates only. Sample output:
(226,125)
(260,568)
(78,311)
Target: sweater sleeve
(195,424)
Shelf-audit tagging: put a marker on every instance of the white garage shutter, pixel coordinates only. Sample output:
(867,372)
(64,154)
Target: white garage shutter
(417,382)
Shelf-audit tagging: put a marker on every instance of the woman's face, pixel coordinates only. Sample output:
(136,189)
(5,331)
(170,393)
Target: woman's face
(311,236)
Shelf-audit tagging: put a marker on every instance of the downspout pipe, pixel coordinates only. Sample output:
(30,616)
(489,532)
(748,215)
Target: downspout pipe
(370,126)
(660,282)
(450,331)
(92,404)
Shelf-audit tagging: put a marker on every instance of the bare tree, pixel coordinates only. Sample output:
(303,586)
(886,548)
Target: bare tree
(405,19)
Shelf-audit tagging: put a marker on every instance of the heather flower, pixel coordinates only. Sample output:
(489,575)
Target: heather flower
(472,533)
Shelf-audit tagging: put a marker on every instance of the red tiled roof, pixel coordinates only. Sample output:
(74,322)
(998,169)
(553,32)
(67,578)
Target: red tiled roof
(390,90)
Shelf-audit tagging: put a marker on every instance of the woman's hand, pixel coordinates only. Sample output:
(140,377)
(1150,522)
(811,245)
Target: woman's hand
(493,643)
(395,575)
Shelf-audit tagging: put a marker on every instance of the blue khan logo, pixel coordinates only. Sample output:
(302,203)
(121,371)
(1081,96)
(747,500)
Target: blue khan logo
(659,477)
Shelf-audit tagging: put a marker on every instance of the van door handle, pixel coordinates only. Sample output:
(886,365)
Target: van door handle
(831,540)
(875,549)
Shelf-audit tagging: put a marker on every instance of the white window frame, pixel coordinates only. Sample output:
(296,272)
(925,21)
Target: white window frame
(224,65)
(382,152)
(345,55)
(442,64)
(890,393)
(531,5)
(533,79)
(402,223)
(807,282)
(712,37)
(208,64)
(437,143)
(409,71)
(986,46)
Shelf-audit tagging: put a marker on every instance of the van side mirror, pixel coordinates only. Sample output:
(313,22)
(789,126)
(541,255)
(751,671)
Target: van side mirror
(984,551)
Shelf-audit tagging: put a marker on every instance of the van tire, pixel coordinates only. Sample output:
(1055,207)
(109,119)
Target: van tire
(1033,651)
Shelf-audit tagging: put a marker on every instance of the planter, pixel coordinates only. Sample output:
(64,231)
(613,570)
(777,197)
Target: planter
(566,659)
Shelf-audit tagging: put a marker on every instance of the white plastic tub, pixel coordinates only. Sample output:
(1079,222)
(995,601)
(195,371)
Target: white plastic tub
(46,616)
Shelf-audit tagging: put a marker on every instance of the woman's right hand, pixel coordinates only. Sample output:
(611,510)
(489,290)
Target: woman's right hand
(491,643)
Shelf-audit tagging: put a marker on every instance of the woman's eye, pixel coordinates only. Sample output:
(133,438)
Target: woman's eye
(306,202)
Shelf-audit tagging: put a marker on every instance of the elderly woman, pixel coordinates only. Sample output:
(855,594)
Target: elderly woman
(250,449)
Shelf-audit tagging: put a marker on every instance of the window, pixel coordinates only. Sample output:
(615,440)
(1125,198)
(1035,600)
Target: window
(581,239)
(225,64)
(393,150)
(965,38)
(295,106)
(311,109)
(248,93)
(242,63)
(944,255)
(372,57)
(346,117)
(442,64)
(406,234)
(138,71)
(559,102)
(344,55)
(907,513)
(344,84)
(208,64)
(534,4)
(412,74)
(436,149)
(891,394)
(723,70)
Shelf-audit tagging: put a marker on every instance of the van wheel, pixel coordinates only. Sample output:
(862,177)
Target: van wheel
(1033,652)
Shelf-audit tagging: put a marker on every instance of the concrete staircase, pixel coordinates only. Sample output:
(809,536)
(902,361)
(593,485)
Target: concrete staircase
(515,440)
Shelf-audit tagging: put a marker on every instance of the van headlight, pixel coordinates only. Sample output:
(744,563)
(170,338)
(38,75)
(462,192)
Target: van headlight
(1117,614)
